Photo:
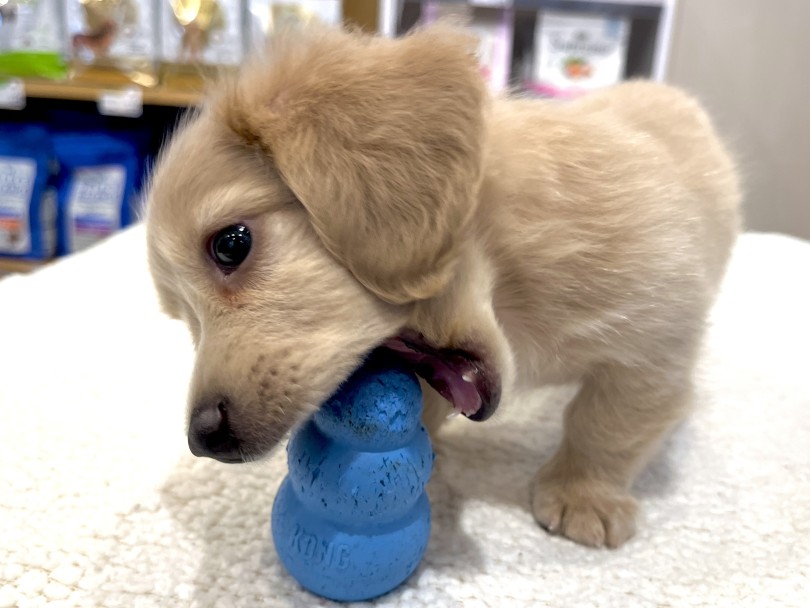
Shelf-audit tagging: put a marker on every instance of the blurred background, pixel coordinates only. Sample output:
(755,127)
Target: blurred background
(90,89)
(747,61)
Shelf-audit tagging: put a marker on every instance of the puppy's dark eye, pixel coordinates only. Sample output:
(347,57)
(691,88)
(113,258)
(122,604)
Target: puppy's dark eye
(230,246)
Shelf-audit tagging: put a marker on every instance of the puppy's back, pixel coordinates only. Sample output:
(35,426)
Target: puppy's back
(701,161)
(611,215)
(633,158)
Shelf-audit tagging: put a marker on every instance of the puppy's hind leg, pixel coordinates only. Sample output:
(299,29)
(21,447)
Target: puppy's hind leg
(612,429)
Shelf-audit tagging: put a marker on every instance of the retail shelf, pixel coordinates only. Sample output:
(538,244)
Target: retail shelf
(155,96)
(14,265)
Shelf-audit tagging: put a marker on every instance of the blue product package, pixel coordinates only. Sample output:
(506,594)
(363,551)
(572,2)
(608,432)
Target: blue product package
(96,188)
(63,121)
(27,194)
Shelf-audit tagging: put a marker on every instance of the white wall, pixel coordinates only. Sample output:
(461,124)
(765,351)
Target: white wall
(749,61)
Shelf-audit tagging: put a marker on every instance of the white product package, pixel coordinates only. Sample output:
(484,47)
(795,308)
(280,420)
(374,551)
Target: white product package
(575,53)
(267,16)
(202,32)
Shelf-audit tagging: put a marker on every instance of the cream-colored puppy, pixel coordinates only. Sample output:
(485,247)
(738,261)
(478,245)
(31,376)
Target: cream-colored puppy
(348,192)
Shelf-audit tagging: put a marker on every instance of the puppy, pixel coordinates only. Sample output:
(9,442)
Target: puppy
(346,193)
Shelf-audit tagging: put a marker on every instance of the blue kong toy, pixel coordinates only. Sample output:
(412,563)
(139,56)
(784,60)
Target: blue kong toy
(351,520)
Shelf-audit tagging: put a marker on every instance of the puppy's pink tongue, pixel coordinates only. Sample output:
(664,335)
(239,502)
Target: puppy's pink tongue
(453,376)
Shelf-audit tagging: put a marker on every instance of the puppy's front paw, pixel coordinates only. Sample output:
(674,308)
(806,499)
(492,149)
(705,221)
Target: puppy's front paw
(588,512)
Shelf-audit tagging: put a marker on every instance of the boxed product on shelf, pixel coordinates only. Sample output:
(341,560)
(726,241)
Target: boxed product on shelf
(202,32)
(577,52)
(31,39)
(267,16)
(97,179)
(27,196)
(118,35)
(494,29)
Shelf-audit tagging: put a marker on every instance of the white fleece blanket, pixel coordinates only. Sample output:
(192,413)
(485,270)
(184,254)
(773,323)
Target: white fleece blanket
(102,505)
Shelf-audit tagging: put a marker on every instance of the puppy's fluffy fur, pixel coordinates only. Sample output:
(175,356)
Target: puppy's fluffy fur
(386,191)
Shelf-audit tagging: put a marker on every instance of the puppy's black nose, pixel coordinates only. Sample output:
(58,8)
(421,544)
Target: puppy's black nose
(209,433)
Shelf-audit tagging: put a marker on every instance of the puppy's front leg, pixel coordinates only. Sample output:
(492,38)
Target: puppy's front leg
(611,430)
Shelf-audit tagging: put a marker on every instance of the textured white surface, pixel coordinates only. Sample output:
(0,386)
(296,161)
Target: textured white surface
(102,505)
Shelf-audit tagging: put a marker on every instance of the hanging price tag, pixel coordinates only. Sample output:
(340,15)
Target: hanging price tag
(126,102)
(12,94)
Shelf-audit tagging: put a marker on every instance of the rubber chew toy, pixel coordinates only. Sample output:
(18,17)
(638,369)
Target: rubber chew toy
(351,520)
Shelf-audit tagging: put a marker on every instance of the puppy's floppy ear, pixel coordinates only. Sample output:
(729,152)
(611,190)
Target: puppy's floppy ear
(380,140)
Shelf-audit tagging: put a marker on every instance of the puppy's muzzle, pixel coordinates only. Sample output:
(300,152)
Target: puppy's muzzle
(210,434)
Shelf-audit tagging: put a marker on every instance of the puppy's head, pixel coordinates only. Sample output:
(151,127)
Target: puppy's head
(296,222)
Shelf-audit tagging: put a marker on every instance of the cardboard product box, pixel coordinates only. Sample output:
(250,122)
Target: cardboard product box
(575,53)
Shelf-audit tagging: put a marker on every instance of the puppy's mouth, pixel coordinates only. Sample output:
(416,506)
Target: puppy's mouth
(461,376)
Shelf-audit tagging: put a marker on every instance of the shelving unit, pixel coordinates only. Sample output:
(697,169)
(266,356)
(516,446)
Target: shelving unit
(652,22)
(158,111)
(157,114)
